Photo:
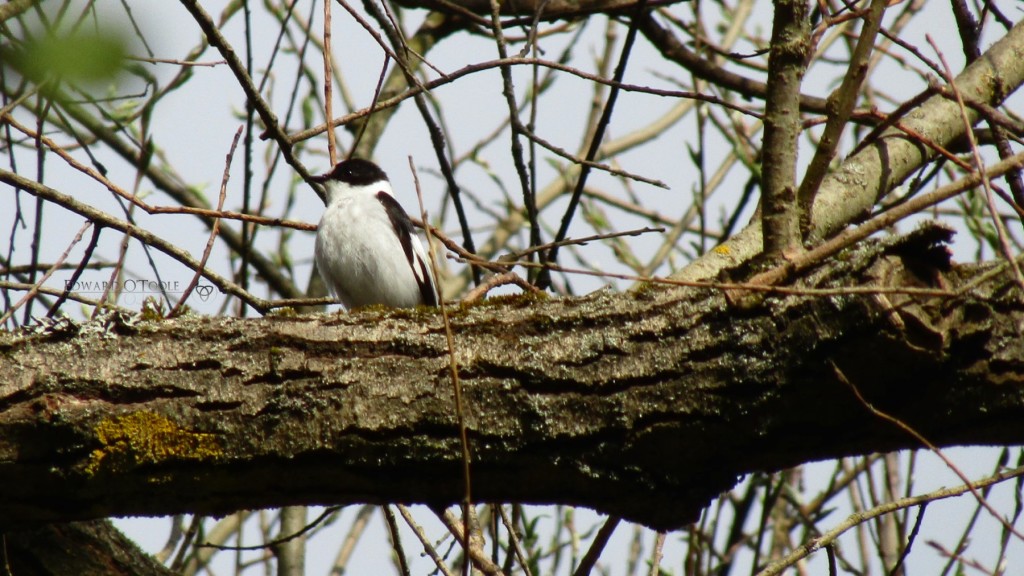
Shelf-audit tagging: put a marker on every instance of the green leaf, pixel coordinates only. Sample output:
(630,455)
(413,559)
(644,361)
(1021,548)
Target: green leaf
(75,57)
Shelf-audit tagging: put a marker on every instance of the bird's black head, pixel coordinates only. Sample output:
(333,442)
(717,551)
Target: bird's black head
(356,172)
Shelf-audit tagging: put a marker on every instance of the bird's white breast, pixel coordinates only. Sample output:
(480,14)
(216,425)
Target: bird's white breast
(359,254)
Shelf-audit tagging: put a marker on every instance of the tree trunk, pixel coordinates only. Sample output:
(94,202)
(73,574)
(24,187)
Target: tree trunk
(644,405)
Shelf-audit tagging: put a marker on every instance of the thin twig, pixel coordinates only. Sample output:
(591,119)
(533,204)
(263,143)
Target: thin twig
(478,556)
(213,231)
(495,280)
(451,77)
(979,168)
(589,559)
(332,146)
(396,540)
(437,138)
(428,546)
(582,241)
(373,105)
(957,557)
(845,99)
(910,541)
(656,553)
(101,218)
(65,293)
(190,534)
(280,540)
(217,40)
(597,138)
(402,63)
(38,284)
(515,542)
(453,367)
(733,286)
(142,204)
(884,220)
(176,62)
(356,529)
(77,274)
(527,186)
(856,519)
(931,446)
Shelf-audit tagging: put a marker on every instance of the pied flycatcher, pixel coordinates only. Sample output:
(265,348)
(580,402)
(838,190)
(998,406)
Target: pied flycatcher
(367,250)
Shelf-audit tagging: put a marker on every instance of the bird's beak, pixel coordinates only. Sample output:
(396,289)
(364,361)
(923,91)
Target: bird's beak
(320,189)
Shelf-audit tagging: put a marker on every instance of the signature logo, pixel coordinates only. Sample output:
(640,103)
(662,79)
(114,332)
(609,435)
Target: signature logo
(204,291)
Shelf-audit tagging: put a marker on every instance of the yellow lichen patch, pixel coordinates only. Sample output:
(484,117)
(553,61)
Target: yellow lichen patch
(721,249)
(141,438)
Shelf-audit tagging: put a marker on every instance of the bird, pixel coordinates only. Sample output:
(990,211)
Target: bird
(367,250)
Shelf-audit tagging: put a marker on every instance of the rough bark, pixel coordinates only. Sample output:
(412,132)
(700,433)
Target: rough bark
(93,548)
(644,405)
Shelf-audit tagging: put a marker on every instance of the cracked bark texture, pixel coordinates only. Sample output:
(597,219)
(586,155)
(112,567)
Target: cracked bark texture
(92,548)
(644,405)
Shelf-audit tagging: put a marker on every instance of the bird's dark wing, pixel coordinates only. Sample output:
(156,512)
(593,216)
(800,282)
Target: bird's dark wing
(404,229)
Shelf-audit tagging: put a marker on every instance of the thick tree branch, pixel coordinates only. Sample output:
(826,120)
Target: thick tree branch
(644,405)
(83,548)
(674,50)
(841,101)
(851,191)
(787,61)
